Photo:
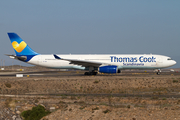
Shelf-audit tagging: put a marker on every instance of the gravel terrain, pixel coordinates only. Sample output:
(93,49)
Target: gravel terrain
(60,94)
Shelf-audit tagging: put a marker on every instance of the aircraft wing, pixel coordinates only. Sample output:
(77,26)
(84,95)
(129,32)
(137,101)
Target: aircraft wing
(83,63)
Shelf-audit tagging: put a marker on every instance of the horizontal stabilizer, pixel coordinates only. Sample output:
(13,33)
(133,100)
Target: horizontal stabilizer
(22,58)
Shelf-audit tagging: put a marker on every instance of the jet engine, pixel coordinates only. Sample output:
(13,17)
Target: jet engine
(109,69)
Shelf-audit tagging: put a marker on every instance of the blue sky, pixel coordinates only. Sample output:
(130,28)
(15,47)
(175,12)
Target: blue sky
(92,27)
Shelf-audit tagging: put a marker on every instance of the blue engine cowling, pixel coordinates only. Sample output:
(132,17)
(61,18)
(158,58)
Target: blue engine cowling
(109,69)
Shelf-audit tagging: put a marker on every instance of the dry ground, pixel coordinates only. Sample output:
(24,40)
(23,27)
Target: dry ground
(136,84)
(98,107)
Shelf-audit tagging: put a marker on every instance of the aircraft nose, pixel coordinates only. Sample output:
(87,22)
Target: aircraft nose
(174,62)
(171,63)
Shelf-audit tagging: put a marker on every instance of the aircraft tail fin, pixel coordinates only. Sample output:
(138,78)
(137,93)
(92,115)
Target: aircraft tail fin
(19,46)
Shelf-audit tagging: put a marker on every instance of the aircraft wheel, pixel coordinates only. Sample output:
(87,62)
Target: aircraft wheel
(90,73)
(158,73)
(86,73)
(94,73)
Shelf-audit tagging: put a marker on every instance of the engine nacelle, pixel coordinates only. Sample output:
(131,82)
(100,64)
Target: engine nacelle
(109,69)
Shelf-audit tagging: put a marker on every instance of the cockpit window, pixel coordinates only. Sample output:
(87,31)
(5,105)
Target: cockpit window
(169,59)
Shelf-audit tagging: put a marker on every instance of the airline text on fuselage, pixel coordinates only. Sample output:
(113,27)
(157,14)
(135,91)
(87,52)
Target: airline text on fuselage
(133,59)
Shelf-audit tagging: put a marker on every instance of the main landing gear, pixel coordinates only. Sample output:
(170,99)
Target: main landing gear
(90,73)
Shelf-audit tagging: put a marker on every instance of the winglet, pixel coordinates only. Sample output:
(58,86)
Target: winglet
(57,57)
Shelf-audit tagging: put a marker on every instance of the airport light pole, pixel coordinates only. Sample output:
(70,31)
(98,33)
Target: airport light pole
(12,63)
(1,63)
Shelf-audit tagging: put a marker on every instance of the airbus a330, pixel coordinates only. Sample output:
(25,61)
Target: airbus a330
(103,63)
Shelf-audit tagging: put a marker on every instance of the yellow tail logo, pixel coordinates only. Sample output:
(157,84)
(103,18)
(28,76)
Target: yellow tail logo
(19,47)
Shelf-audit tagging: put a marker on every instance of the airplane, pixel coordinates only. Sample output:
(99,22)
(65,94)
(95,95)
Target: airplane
(102,63)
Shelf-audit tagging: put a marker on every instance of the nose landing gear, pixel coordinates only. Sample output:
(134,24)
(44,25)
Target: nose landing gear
(158,72)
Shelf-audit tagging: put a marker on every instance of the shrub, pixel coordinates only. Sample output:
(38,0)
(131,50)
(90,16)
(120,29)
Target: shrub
(164,99)
(8,85)
(128,106)
(96,81)
(36,101)
(96,108)
(106,111)
(35,114)
(175,81)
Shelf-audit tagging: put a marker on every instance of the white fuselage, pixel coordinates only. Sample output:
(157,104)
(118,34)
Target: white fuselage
(107,63)
(123,61)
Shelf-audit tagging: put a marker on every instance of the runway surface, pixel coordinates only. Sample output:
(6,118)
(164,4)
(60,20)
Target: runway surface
(80,73)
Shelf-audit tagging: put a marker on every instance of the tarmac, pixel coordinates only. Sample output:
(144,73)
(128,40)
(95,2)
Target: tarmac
(80,73)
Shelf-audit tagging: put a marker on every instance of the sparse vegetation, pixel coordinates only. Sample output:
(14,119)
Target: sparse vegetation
(164,99)
(106,111)
(175,81)
(128,106)
(96,108)
(178,102)
(96,81)
(35,114)
(8,85)
(36,101)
